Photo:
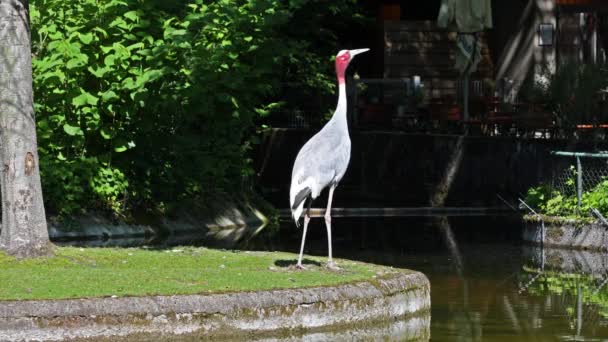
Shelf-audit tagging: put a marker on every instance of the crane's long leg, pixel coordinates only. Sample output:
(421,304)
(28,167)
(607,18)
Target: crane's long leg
(306,220)
(330,261)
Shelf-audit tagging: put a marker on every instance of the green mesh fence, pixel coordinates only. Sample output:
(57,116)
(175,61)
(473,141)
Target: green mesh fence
(594,170)
(584,173)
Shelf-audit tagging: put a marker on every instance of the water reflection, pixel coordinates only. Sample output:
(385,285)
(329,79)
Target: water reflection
(501,290)
(573,281)
(414,329)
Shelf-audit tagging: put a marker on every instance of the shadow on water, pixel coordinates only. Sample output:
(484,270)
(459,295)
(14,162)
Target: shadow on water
(486,285)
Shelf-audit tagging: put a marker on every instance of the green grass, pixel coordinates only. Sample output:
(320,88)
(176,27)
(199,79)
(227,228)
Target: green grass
(98,272)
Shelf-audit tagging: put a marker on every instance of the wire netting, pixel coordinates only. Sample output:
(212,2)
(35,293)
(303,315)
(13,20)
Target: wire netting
(594,171)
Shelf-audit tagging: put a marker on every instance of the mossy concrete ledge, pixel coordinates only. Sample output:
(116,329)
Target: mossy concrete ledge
(402,295)
(563,233)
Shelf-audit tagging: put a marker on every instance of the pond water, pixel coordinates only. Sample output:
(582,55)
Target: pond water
(486,285)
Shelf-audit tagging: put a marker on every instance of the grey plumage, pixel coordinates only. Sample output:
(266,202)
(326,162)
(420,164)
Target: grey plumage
(323,159)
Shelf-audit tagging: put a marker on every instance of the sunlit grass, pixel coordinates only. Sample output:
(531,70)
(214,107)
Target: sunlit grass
(98,272)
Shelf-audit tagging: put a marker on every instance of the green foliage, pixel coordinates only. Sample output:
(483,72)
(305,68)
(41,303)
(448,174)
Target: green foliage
(596,198)
(65,183)
(93,76)
(551,202)
(146,103)
(110,185)
(537,197)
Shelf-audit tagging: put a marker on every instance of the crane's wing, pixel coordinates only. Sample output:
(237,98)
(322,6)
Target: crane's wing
(322,160)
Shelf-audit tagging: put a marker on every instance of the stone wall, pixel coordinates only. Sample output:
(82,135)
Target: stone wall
(403,296)
(567,234)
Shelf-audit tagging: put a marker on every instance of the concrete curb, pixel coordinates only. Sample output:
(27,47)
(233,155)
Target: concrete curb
(592,236)
(400,295)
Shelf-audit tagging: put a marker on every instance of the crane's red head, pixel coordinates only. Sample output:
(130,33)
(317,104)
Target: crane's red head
(342,59)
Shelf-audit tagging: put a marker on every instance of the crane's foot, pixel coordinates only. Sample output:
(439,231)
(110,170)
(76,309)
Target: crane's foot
(332,266)
(300,267)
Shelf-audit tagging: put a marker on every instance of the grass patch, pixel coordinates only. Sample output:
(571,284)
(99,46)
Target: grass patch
(99,272)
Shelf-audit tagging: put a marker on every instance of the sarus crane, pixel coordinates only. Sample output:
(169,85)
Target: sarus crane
(323,160)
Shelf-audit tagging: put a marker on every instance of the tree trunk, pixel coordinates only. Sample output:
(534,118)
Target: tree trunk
(24,230)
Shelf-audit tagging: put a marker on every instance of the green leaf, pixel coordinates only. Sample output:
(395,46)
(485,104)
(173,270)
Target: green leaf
(99,73)
(108,95)
(72,130)
(234,102)
(77,62)
(102,31)
(137,46)
(131,15)
(84,98)
(118,22)
(86,38)
(109,60)
(120,149)
(106,49)
(121,145)
(105,133)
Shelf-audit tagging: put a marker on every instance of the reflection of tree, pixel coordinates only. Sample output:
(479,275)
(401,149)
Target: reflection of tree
(465,321)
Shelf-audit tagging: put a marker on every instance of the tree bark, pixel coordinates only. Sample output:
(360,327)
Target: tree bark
(24,229)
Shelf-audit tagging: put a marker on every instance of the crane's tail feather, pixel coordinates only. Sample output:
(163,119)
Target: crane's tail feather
(297,212)
(298,204)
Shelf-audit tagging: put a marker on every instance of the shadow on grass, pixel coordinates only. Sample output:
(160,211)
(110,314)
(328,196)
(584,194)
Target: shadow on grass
(290,263)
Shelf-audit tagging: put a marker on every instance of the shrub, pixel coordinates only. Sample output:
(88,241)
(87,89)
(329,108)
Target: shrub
(147,103)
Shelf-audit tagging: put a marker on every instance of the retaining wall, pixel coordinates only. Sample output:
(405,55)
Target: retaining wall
(401,295)
(593,236)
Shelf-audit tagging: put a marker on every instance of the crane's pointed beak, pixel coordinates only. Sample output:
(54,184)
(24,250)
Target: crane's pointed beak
(353,53)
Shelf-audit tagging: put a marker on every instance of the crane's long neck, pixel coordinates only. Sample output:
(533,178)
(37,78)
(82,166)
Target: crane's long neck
(340,113)
(341,107)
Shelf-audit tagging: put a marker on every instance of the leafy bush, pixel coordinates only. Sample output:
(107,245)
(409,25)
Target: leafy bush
(551,202)
(537,197)
(147,103)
